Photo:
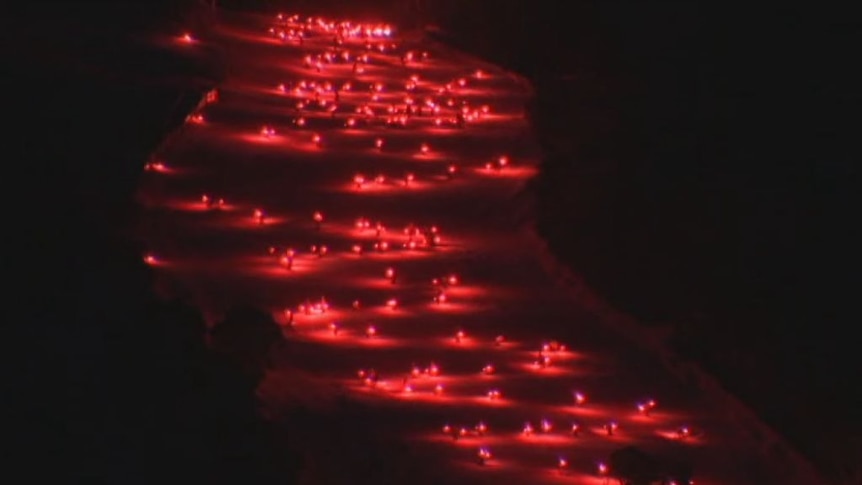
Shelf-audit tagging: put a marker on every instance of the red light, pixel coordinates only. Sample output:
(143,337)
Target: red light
(155,167)
(424,148)
(371,331)
(258,216)
(580,398)
(646,406)
(359,180)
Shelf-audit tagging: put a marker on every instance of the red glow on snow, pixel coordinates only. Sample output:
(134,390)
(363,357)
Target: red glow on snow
(351,163)
(158,167)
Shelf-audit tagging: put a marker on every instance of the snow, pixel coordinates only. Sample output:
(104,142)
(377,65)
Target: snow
(505,287)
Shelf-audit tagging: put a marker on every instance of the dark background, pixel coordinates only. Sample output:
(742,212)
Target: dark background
(699,173)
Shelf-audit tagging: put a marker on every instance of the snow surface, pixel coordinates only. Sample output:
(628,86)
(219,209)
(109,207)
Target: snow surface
(221,256)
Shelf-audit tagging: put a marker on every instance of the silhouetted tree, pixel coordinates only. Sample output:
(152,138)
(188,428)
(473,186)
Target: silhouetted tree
(632,466)
(246,336)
